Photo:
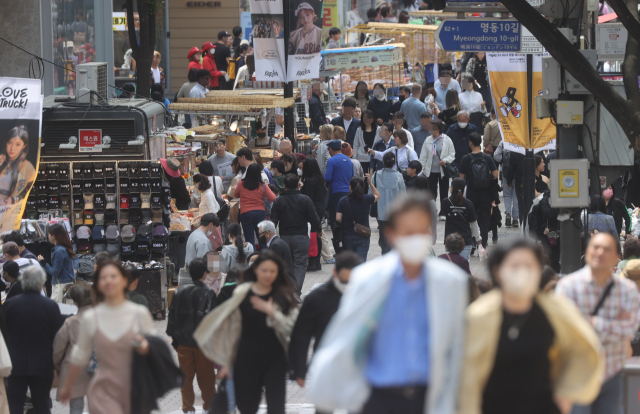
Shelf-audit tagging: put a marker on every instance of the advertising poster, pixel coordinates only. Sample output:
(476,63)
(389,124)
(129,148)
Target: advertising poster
(305,42)
(330,17)
(362,58)
(20,121)
(508,80)
(267,20)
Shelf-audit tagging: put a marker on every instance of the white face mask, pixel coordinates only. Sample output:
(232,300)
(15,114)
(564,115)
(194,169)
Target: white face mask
(463,124)
(521,282)
(341,286)
(299,171)
(209,232)
(413,249)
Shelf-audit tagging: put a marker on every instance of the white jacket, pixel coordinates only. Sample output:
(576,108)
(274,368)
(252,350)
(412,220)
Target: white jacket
(448,153)
(358,145)
(336,378)
(208,203)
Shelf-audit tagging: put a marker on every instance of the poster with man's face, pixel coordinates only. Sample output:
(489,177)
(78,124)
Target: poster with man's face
(305,41)
(20,120)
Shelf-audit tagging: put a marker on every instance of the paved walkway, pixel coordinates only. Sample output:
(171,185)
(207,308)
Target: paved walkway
(297,402)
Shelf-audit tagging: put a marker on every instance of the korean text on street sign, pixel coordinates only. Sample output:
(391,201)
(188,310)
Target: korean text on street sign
(481,35)
(88,139)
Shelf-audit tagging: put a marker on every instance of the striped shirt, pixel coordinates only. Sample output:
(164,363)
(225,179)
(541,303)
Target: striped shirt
(617,320)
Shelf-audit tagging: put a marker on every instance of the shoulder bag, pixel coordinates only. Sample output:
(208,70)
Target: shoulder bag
(358,229)
(603,298)
(450,170)
(374,207)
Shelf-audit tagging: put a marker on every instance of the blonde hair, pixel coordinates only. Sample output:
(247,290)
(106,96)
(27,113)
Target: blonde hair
(326,131)
(339,133)
(156,53)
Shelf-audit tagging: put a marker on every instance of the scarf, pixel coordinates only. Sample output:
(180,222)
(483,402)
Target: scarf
(433,148)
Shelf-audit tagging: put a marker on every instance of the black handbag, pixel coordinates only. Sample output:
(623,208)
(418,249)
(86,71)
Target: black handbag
(374,207)
(450,170)
(223,213)
(220,402)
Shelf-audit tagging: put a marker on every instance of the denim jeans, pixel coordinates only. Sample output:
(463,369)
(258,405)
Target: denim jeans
(249,221)
(466,252)
(357,244)
(510,200)
(609,401)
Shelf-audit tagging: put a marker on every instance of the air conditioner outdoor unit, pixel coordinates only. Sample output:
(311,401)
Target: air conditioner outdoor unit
(91,77)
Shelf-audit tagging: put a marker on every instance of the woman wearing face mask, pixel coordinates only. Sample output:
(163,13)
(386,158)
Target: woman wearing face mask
(208,203)
(390,185)
(450,115)
(235,254)
(460,217)
(526,352)
(380,105)
(289,164)
(617,209)
(361,94)
(249,333)
(472,102)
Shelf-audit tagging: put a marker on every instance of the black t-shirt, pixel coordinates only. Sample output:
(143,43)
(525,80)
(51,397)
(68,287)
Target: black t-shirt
(458,219)
(221,55)
(369,137)
(521,381)
(360,210)
(236,42)
(465,168)
(257,339)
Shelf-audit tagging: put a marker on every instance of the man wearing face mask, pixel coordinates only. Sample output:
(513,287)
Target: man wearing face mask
(383,142)
(262,141)
(396,343)
(459,134)
(198,244)
(403,93)
(610,305)
(316,312)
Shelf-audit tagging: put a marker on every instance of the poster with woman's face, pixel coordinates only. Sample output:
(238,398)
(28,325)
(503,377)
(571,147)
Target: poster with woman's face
(305,41)
(20,121)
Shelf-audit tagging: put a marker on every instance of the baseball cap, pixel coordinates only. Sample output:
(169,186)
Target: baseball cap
(78,217)
(124,216)
(88,201)
(136,217)
(146,215)
(223,33)
(83,233)
(84,246)
(98,201)
(155,201)
(88,217)
(335,144)
(110,217)
(142,249)
(128,233)
(160,233)
(65,203)
(99,217)
(114,249)
(112,234)
(157,215)
(144,233)
(124,201)
(303,6)
(11,247)
(135,201)
(146,200)
(111,201)
(98,234)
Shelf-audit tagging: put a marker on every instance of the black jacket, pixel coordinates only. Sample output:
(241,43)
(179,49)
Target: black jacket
(281,248)
(516,168)
(32,323)
(293,210)
(380,109)
(316,312)
(179,192)
(617,209)
(13,290)
(351,132)
(189,305)
(153,375)
(316,191)
(316,113)
(226,292)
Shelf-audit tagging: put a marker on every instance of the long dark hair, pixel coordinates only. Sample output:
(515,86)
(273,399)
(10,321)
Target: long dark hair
(310,168)
(355,92)
(203,181)
(235,230)
(253,178)
(97,295)
(597,204)
(457,191)
(62,238)
(19,132)
(356,185)
(282,288)
(370,114)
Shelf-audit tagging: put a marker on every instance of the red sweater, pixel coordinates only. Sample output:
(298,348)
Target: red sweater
(251,200)
(195,65)
(209,64)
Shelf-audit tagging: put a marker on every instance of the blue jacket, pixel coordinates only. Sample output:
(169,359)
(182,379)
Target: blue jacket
(61,267)
(460,138)
(339,172)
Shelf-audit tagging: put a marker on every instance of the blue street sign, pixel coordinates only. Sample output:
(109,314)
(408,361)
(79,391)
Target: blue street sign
(479,35)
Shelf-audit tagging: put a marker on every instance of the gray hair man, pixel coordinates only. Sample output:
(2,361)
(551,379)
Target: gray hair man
(32,323)
(269,237)
(459,134)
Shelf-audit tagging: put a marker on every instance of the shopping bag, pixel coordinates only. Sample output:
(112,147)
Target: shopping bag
(313,244)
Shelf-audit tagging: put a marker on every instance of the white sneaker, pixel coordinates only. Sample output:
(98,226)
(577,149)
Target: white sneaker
(442,218)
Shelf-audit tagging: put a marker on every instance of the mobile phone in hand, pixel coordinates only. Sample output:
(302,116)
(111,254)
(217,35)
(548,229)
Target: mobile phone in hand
(366,148)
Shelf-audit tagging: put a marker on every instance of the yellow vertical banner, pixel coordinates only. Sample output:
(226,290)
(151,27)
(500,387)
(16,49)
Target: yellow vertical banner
(330,17)
(508,80)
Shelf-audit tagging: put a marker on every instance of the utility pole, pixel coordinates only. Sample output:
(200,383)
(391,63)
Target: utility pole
(289,125)
(529,161)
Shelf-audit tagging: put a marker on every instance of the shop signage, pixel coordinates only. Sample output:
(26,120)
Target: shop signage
(90,140)
(360,59)
(479,35)
(203,4)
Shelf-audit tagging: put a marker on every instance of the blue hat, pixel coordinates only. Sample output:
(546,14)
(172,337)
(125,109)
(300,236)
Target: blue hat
(335,144)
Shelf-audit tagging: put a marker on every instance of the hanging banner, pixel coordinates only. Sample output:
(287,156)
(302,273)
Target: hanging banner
(267,20)
(305,41)
(508,82)
(20,125)
(363,57)
(330,17)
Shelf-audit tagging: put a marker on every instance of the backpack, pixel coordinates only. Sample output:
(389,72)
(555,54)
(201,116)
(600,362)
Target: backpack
(231,70)
(86,266)
(480,172)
